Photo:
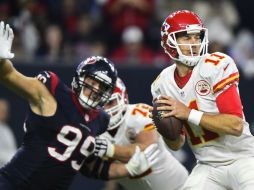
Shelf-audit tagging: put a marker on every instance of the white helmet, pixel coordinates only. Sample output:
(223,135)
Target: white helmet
(119,101)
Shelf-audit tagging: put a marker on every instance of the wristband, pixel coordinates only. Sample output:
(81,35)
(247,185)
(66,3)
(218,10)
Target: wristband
(195,116)
(110,150)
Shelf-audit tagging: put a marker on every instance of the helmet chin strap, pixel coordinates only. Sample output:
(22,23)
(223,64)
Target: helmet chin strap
(189,61)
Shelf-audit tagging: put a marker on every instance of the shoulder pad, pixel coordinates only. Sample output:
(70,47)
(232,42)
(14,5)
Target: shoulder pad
(53,83)
(138,117)
(220,70)
(43,76)
(214,63)
(50,80)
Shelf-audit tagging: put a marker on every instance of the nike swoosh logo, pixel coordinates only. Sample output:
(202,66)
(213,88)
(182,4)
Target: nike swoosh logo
(225,68)
(84,126)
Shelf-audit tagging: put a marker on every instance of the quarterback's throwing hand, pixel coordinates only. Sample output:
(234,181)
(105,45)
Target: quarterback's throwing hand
(6,38)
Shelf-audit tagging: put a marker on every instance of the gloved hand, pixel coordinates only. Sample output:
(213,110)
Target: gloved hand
(103,148)
(6,38)
(140,161)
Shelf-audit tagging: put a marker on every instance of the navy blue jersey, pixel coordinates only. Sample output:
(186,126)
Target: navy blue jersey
(54,147)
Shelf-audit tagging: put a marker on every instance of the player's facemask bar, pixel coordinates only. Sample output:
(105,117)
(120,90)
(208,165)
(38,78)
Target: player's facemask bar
(116,111)
(96,96)
(194,57)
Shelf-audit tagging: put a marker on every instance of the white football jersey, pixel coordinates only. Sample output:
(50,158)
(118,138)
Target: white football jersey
(167,172)
(211,76)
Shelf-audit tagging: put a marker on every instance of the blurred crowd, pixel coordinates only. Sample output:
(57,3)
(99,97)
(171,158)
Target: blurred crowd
(127,31)
(7,138)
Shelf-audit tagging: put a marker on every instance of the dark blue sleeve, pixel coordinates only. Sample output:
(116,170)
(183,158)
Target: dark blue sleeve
(49,79)
(56,87)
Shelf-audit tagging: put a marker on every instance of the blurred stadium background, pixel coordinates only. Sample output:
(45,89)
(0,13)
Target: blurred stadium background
(57,34)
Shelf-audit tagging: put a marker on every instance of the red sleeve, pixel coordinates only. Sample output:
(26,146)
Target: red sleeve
(229,102)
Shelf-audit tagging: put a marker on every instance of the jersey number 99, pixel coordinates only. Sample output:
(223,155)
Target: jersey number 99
(71,145)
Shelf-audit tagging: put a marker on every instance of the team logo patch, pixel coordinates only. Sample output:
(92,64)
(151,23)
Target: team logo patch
(203,88)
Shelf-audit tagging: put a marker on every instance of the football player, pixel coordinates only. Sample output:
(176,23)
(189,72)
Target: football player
(130,125)
(61,125)
(201,89)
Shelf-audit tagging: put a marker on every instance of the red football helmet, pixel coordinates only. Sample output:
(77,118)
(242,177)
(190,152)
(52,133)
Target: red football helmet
(183,21)
(116,106)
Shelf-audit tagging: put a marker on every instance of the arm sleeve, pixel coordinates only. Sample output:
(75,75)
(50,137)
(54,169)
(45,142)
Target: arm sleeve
(229,102)
(55,86)
(224,74)
(49,79)
(220,71)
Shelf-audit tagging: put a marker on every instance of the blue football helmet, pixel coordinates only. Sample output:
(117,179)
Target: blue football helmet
(97,69)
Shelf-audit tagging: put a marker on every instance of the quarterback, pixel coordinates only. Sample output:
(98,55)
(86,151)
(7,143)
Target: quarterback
(201,89)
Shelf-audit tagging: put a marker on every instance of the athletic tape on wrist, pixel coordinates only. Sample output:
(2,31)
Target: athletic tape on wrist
(195,117)
(110,150)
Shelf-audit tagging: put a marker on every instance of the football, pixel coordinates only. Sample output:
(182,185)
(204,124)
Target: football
(170,127)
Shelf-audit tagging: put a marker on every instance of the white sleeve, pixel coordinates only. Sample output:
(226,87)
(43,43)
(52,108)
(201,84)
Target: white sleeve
(144,124)
(139,120)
